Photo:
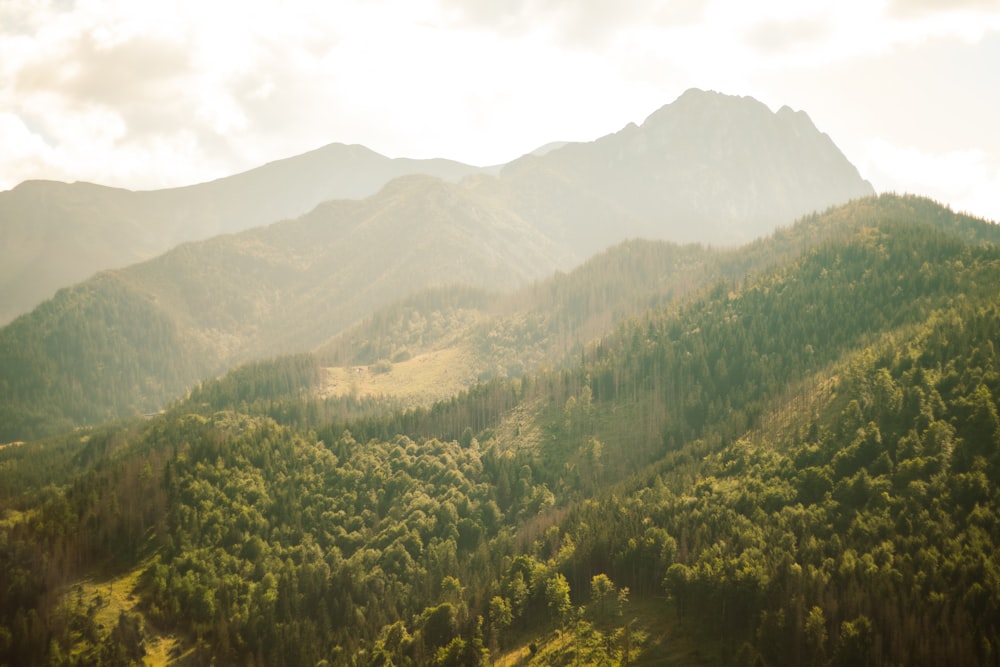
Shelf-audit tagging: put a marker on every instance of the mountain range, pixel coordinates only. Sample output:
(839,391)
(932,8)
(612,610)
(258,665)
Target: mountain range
(708,167)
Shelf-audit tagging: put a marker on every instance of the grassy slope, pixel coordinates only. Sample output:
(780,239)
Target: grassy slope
(421,380)
(655,639)
(115,595)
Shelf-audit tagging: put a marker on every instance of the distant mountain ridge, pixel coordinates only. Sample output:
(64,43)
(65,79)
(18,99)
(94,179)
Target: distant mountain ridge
(289,286)
(56,234)
(145,333)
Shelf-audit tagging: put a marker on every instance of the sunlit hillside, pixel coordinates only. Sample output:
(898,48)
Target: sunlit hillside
(792,465)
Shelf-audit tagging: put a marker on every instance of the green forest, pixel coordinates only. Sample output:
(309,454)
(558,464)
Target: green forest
(783,454)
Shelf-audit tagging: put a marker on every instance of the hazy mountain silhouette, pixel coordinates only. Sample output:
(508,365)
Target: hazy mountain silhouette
(56,234)
(708,167)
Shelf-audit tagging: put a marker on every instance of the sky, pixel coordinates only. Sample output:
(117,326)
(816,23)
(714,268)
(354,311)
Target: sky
(146,95)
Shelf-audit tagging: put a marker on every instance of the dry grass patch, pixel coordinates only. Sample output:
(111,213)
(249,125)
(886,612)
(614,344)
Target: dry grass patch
(111,597)
(421,380)
(656,639)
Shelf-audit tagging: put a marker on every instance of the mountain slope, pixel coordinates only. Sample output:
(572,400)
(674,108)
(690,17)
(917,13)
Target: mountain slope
(804,460)
(291,285)
(282,288)
(549,321)
(707,168)
(55,234)
(433,344)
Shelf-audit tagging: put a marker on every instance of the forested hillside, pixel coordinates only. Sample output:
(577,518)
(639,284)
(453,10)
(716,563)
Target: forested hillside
(273,290)
(500,335)
(95,352)
(795,464)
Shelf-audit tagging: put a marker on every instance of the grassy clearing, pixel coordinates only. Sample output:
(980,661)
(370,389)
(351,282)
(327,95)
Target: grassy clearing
(421,380)
(655,638)
(519,429)
(667,642)
(111,597)
(10,517)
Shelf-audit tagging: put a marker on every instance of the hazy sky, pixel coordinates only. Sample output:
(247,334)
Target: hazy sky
(144,94)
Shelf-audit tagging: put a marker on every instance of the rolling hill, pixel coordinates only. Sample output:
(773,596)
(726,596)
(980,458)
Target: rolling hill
(146,333)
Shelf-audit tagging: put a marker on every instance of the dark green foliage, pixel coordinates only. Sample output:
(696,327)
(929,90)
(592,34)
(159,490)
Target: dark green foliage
(284,378)
(441,626)
(271,532)
(93,352)
(805,459)
(870,540)
(124,645)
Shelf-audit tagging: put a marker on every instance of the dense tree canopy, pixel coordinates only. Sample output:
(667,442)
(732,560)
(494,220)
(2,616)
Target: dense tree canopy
(798,464)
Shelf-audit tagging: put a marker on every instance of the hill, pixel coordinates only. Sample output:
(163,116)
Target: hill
(488,335)
(57,234)
(144,334)
(508,334)
(794,467)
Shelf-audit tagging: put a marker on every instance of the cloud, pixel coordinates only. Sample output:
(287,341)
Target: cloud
(912,8)
(809,35)
(144,94)
(154,94)
(143,80)
(112,74)
(967,179)
(784,36)
(19,141)
(594,26)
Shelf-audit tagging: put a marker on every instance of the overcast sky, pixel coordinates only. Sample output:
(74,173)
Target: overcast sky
(143,94)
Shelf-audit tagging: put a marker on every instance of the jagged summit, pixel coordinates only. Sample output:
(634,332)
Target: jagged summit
(708,167)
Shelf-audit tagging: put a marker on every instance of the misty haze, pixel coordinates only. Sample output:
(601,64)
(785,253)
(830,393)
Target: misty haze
(714,386)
